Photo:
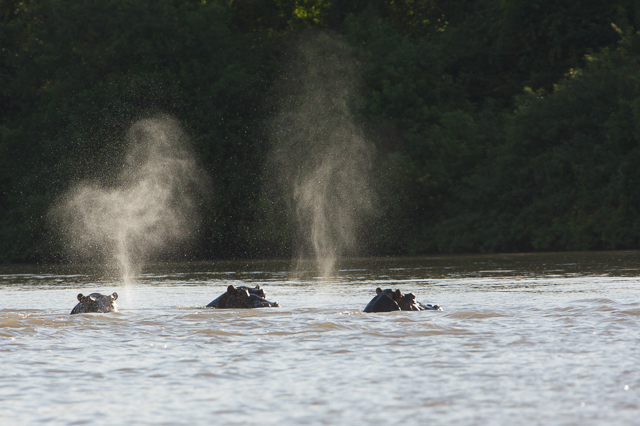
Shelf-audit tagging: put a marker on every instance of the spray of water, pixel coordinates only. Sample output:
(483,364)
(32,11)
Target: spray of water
(149,208)
(319,154)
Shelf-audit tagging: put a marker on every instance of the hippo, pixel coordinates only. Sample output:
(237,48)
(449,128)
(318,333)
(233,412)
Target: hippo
(96,302)
(242,297)
(389,300)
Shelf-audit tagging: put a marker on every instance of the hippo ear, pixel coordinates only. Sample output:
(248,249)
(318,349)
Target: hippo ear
(397,294)
(80,297)
(378,290)
(114,296)
(258,287)
(231,289)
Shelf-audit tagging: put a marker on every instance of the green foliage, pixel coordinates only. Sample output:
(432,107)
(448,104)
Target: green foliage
(503,125)
(82,72)
(577,148)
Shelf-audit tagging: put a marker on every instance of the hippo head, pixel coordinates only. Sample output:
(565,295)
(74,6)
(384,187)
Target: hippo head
(242,297)
(248,290)
(238,297)
(95,302)
(389,300)
(408,302)
(258,291)
(395,295)
(94,297)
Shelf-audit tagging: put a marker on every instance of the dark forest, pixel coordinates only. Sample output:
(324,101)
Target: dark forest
(496,125)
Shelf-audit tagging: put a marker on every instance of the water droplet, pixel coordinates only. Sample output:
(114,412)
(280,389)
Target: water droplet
(626,387)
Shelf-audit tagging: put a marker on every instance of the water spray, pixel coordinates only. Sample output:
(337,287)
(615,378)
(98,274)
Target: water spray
(320,156)
(151,208)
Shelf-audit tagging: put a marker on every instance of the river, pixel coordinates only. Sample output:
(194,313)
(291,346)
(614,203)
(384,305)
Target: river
(523,339)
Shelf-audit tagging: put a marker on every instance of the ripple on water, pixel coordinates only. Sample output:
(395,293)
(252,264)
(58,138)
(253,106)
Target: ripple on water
(525,349)
(470,315)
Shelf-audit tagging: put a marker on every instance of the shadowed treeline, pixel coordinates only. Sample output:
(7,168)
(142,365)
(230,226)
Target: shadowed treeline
(493,125)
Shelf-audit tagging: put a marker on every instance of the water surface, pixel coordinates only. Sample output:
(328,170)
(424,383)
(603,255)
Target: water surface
(532,339)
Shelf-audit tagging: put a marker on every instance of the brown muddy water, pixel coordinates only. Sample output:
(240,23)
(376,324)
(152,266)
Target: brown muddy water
(523,339)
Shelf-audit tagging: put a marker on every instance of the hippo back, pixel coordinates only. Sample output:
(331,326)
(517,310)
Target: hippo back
(384,301)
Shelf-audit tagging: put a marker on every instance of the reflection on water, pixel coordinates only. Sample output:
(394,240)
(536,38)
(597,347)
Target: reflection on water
(531,339)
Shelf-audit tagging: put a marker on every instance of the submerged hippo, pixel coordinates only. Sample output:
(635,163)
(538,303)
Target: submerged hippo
(96,302)
(242,297)
(389,300)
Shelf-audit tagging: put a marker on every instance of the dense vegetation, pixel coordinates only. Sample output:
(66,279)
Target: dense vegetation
(499,125)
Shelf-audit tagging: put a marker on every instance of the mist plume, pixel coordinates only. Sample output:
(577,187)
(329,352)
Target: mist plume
(320,156)
(149,208)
